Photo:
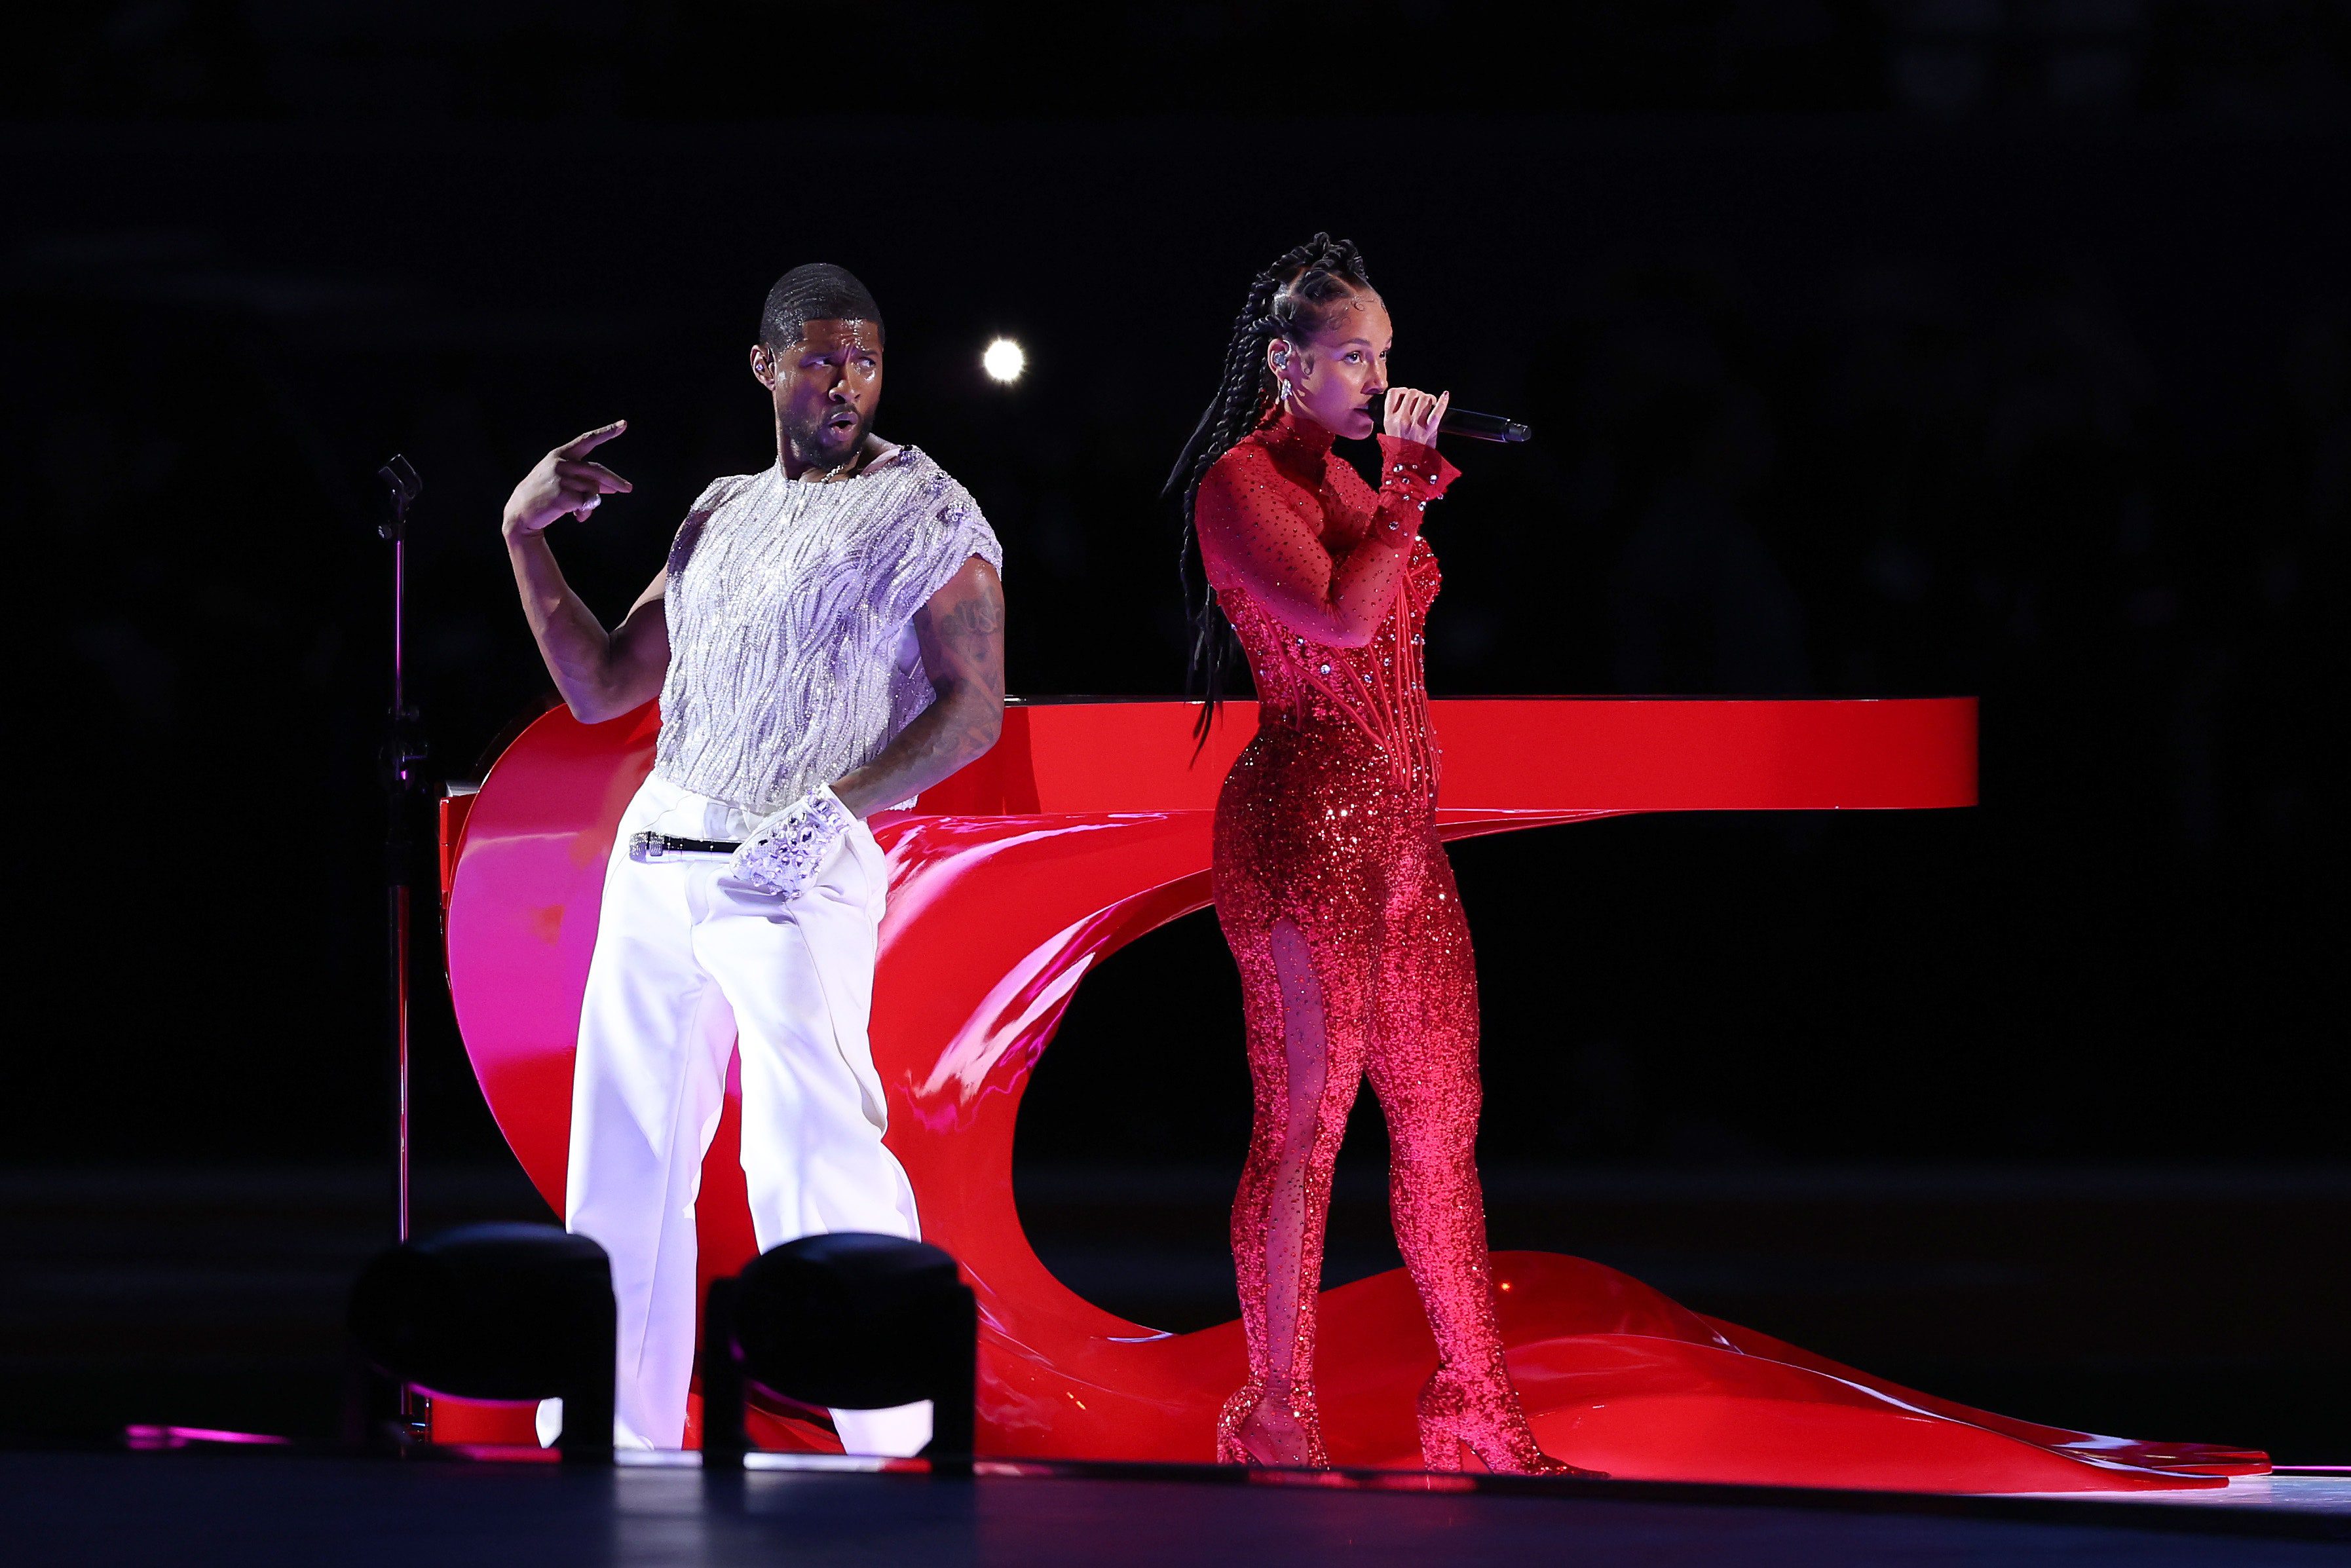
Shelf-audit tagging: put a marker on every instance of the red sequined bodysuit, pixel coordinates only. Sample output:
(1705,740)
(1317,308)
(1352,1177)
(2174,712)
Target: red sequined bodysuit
(1339,906)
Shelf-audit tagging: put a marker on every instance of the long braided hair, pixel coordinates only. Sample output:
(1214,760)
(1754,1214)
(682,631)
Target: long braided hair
(1292,300)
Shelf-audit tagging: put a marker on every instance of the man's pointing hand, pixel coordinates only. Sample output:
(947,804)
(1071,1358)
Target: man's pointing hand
(564,481)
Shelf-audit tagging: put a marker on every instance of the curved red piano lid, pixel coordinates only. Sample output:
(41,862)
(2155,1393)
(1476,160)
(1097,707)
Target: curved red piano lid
(1573,756)
(1089,825)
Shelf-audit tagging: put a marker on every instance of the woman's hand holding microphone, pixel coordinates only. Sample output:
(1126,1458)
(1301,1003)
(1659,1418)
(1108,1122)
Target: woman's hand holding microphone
(1415,415)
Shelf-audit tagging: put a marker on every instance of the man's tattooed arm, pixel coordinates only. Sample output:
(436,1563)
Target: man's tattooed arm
(961,631)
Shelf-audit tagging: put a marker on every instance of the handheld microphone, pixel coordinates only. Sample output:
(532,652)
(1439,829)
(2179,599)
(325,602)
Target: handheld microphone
(1476,426)
(1483,426)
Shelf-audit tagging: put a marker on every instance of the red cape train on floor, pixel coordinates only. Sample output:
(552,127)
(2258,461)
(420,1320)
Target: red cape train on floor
(1088,826)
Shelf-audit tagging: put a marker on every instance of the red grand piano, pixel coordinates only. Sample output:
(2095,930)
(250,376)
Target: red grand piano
(1085,827)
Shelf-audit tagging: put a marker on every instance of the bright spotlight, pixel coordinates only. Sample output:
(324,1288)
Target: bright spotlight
(1004,361)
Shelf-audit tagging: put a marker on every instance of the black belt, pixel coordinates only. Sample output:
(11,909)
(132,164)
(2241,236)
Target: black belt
(657,846)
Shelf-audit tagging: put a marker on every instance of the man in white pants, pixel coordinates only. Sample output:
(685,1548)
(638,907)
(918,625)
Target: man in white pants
(827,639)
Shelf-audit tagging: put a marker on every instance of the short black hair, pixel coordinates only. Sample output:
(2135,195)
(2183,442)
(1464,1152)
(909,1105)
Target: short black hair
(818,291)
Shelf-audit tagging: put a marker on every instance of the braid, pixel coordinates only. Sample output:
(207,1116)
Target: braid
(1287,299)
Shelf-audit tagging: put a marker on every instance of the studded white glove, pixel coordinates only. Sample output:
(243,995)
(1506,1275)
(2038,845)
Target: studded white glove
(783,853)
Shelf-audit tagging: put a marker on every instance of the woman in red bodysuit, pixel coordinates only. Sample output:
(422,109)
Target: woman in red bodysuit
(1334,894)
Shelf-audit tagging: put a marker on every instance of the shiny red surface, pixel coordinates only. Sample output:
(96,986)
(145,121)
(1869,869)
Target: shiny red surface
(1087,827)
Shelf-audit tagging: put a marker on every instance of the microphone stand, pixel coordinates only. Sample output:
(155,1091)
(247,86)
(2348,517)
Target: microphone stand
(403,748)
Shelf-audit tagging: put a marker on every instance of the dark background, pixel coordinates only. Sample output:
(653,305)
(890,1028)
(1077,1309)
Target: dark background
(1889,349)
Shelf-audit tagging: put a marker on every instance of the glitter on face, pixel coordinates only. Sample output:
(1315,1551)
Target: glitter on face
(1338,902)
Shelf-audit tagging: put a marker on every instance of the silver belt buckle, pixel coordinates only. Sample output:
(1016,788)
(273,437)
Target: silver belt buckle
(653,846)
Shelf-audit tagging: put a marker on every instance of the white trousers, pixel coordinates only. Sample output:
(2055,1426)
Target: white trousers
(687,963)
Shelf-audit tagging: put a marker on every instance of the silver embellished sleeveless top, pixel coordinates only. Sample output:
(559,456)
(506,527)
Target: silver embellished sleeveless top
(791,605)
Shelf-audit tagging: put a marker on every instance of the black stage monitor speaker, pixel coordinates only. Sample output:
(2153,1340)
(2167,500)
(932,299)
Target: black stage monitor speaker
(491,1312)
(853,1321)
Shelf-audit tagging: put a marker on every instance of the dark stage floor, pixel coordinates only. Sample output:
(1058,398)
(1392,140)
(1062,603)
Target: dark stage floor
(2203,1305)
(93,1510)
